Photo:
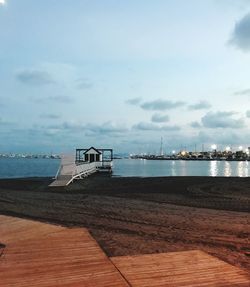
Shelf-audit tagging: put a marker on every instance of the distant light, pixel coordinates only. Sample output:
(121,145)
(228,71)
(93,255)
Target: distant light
(247,151)
(228,148)
(173,151)
(240,148)
(2,2)
(214,146)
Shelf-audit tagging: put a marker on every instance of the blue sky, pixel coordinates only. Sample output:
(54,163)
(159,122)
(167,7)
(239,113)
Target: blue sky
(123,74)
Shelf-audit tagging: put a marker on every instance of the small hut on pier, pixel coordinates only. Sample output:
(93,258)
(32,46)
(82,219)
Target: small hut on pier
(101,157)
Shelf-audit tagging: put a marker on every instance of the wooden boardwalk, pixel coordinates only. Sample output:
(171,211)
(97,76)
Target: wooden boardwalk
(178,269)
(44,255)
(38,254)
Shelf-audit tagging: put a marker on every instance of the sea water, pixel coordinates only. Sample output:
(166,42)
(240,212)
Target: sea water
(144,168)
(32,167)
(28,167)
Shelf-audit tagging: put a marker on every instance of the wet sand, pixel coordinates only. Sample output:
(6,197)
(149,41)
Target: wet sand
(130,216)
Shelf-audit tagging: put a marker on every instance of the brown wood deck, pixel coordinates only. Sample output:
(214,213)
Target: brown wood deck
(44,255)
(38,254)
(188,268)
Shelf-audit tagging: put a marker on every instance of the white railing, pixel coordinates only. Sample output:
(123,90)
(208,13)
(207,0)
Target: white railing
(69,169)
(85,168)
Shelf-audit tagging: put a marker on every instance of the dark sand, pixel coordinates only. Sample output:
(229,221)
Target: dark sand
(144,215)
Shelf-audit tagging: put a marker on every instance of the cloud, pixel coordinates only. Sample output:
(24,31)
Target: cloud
(239,4)
(241,34)
(7,124)
(106,128)
(200,106)
(67,126)
(84,84)
(34,77)
(245,92)
(222,120)
(134,101)
(161,105)
(49,116)
(248,113)
(60,99)
(223,138)
(142,126)
(158,118)
(195,125)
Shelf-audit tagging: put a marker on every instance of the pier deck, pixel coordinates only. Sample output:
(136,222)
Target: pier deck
(72,168)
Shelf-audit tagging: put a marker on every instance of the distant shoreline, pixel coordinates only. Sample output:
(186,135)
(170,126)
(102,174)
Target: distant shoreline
(193,159)
(138,158)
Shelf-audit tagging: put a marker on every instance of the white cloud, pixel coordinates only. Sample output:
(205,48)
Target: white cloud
(34,77)
(200,106)
(222,120)
(153,127)
(159,118)
(134,101)
(241,34)
(245,92)
(161,105)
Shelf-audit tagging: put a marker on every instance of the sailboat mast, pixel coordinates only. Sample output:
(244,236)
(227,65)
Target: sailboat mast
(161,150)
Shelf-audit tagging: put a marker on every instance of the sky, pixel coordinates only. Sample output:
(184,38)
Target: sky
(122,74)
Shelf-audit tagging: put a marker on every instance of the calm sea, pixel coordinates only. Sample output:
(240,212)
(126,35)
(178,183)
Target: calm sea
(21,167)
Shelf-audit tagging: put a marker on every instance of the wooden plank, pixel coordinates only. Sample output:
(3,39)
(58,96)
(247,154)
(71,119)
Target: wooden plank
(14,229)
(38,254)
(188,268)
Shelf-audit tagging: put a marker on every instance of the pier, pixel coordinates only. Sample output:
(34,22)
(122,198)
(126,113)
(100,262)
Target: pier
(85,163)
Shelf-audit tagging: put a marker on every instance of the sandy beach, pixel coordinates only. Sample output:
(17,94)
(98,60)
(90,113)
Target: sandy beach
(130,216)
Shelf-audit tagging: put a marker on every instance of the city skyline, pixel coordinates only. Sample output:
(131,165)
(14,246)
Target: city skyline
(123,74)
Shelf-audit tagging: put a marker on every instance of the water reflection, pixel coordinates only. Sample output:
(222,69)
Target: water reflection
(213,168)
(247,171)
(242,168)
(227,169)
(127,167)
(173,169)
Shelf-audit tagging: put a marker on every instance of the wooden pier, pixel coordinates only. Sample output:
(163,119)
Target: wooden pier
(44,255)
(85,163)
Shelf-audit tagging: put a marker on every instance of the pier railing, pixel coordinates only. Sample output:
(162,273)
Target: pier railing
(70,170)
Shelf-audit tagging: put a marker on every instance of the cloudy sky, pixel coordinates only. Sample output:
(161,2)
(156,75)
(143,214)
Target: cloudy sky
(123,74)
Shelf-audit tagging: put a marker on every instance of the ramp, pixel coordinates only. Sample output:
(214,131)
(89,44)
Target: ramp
(69,170)
(62,180)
